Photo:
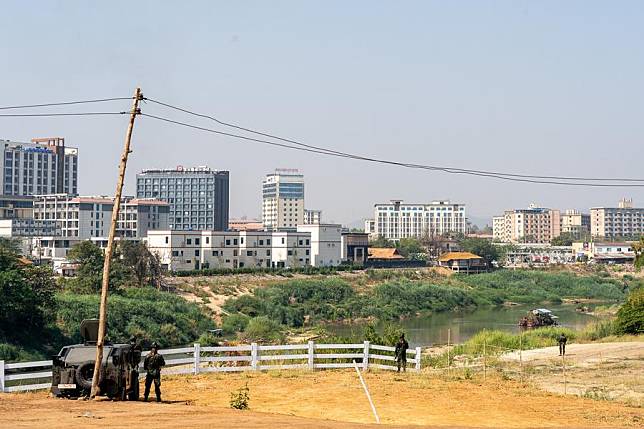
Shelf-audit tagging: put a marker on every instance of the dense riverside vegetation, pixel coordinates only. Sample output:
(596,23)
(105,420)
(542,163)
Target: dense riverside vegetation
(38,316)
(296,302)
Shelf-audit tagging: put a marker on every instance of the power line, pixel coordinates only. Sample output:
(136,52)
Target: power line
(365,158)
(28,115)
(66,103)
(396,163)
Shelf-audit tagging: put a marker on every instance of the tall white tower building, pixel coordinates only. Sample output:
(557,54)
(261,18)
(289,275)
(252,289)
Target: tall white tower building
(283,200)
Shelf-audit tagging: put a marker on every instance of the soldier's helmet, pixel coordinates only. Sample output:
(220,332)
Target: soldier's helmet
(155,345)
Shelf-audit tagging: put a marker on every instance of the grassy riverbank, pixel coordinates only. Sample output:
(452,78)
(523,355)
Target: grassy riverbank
(302,302)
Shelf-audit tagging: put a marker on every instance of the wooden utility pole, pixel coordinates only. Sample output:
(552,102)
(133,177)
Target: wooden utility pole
(110,245)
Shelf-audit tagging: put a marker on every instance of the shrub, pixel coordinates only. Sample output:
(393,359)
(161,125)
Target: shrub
(262,329)
(234,323)
(630,317)
(239,399)
(149,314)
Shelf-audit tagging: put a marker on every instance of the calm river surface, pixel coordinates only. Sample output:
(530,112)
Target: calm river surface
(426,331)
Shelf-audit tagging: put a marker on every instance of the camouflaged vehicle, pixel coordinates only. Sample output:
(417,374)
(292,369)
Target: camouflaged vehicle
(73,367)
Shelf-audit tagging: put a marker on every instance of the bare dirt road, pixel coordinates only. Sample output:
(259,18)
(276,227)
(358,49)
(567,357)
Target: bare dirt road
(327,399)
(609,371)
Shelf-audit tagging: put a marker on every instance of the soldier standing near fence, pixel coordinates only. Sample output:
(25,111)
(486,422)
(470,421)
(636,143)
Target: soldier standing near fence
(152,364)
(562,340)
(401,353)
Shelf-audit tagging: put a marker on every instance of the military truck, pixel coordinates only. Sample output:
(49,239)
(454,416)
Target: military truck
(537,318)
(73,367)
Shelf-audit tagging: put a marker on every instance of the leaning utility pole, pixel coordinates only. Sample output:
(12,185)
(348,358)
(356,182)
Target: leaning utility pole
(110,244)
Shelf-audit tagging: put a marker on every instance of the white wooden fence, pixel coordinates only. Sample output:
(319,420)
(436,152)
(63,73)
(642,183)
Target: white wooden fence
(23,376)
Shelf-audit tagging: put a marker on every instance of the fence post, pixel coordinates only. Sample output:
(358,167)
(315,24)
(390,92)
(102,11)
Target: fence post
(417,358)
(1,376)
(197,355)
(311,355)
(254,356)
(365,356)
(484,361)
(449,364)
(521,355)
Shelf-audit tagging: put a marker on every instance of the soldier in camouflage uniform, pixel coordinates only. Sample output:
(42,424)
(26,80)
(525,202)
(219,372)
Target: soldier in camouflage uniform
(401,352)
(152,364)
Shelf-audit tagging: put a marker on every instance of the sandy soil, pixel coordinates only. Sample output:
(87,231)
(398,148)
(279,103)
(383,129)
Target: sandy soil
(611,371)
(327,399)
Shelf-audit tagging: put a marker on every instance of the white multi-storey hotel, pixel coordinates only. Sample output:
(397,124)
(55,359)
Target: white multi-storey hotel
(283,200)
(397,220)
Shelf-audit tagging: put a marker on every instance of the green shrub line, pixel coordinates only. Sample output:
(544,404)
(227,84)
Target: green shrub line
(300,302)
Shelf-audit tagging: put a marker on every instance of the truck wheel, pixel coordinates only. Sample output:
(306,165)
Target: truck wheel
(84,375)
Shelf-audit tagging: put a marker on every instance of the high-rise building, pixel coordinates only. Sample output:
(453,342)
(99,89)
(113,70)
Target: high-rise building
(621,221)
(44,166)
(534,225)
(89,217)
(396,220)
(283,200)
(198,197)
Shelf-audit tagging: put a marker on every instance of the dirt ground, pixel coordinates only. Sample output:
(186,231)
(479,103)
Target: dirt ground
(327,399)
(609,371)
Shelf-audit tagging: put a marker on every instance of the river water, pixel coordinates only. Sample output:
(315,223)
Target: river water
(430,330)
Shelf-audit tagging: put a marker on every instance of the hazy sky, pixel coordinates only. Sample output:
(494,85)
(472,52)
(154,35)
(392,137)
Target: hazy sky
(542,87)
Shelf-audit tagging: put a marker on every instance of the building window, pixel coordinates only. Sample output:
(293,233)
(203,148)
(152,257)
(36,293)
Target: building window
(189,241)
(197,241)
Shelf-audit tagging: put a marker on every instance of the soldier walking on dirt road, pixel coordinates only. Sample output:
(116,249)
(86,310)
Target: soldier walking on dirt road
(562,340)
(401,353)
(152,364)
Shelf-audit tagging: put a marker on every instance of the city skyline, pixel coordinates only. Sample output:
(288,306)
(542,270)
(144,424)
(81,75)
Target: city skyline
(519,87)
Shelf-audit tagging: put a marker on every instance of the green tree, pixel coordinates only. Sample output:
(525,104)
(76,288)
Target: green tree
(9,253)
(381,241)
(143,264)
(564,239)
(481,247)
(411,248)
(89,274)
(630,317)
(27,298)
(639,254)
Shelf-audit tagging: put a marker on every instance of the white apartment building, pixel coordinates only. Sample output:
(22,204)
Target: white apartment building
(283,200)
(89,217)
(397,220)
(534,225)
(312,217)
(621,221)
(326,244)
(43,166)
(193,250)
